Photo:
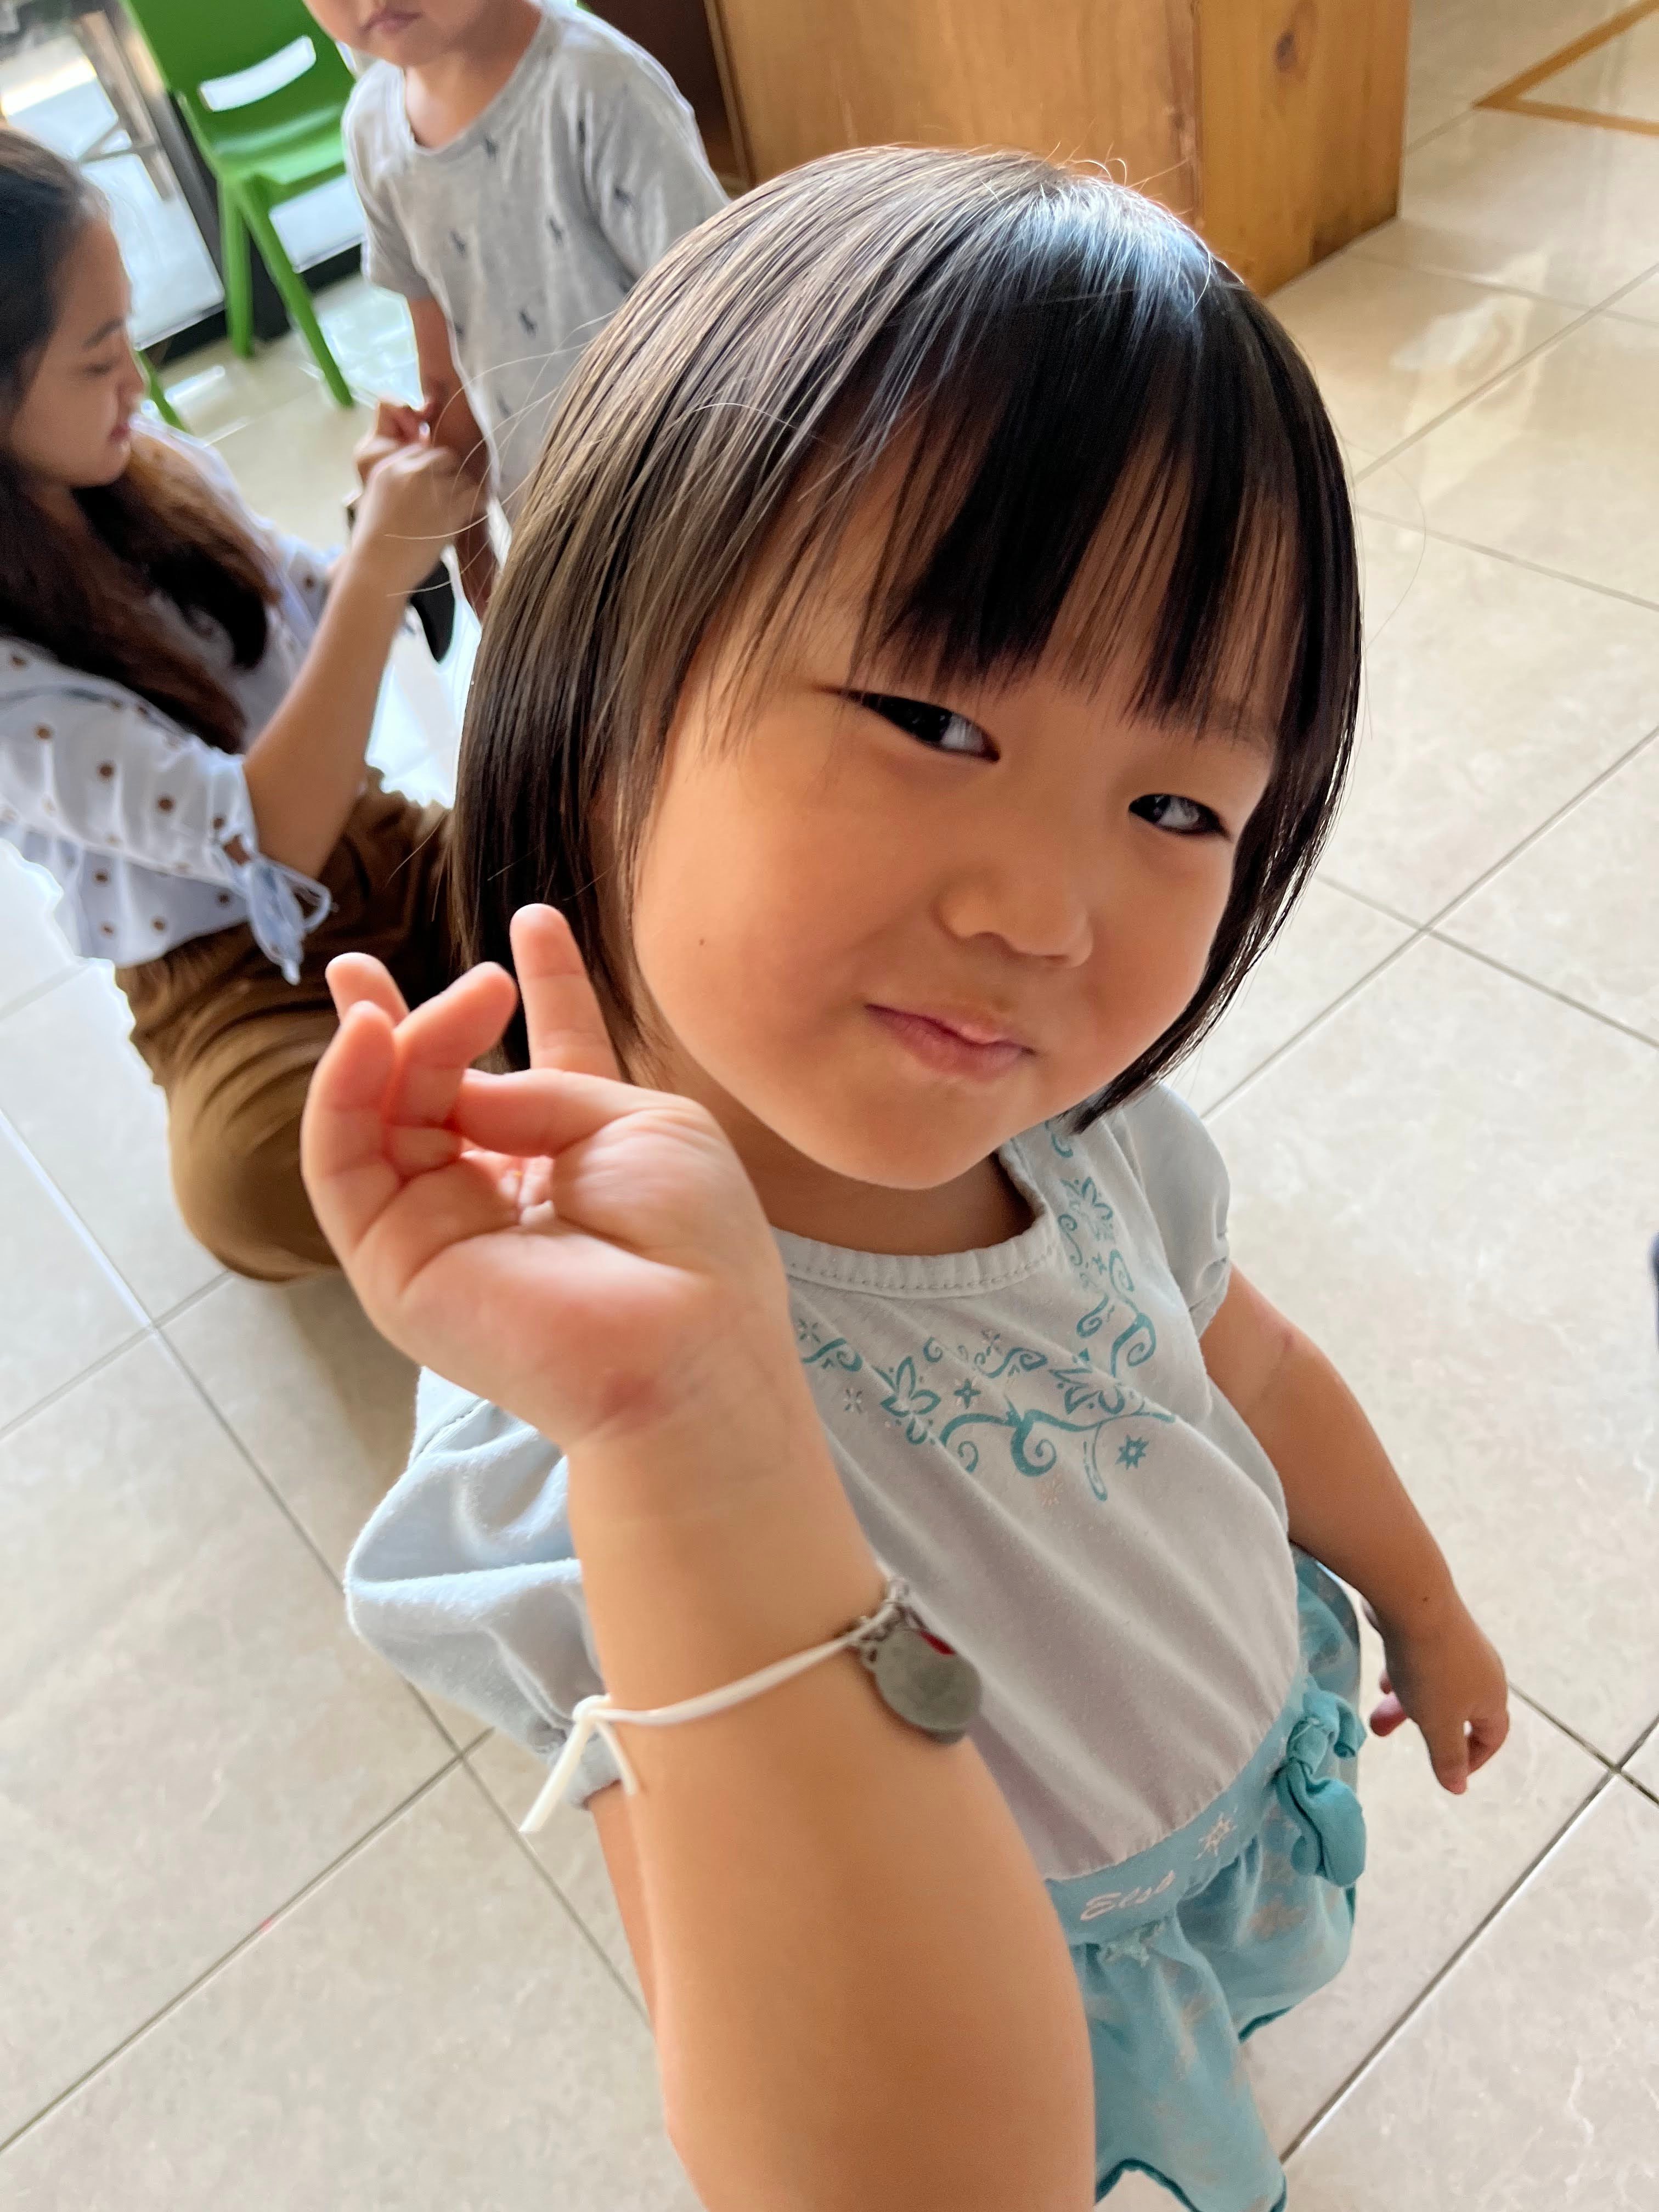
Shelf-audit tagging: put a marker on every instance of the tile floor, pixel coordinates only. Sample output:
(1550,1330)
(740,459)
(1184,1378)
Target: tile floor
(267,1937)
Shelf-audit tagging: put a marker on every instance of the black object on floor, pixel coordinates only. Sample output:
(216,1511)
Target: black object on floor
(433,602)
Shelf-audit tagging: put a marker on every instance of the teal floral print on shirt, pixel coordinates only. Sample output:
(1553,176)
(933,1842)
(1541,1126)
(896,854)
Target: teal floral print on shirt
(1011,1397)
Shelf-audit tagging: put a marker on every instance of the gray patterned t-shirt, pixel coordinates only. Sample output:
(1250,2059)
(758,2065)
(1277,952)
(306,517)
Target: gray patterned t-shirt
(1028,1435)
(531,228)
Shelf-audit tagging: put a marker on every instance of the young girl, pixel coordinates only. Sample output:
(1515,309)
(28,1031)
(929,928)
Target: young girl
(923,678)
(185,701)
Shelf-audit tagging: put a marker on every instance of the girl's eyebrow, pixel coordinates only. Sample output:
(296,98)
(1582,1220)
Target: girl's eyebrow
(104,331)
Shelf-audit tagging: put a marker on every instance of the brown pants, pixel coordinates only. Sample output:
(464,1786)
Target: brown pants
(232,1044)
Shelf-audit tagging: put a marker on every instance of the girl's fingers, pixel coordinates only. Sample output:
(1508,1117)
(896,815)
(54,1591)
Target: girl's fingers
(562,1016)
(439,1042)
(1487,1733)
(1388,1716)
(1448,1753)
(355,977)
(539,1113)
(342,1150)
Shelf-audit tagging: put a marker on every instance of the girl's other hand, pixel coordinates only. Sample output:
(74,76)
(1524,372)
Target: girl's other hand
(1446,1676)
(394,427)
(589,1255)
(415,501)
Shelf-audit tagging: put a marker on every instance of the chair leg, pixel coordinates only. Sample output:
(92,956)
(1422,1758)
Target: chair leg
(296,299)
(158,399)
(239,275)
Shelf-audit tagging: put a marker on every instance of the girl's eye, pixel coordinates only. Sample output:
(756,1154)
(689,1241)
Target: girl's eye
(1181,817)
(936,727)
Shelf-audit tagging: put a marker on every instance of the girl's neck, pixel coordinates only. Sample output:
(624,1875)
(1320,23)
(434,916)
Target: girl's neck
(443,98)
(975,1211)
(59,503)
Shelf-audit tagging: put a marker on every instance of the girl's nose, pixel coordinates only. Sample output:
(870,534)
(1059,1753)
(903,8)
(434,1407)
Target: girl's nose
(1031,900)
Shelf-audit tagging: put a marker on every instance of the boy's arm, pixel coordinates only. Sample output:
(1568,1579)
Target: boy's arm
(449,414)
(1349,1509)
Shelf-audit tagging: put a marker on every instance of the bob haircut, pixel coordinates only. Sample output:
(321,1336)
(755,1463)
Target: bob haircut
(1065,405)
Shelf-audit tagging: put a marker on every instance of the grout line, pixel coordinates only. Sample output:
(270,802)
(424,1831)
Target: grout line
(242,1452)
(1391,453)
(192,1298)
(227,1958)
(1564,1727)
(1548,990)
(1431,929)
(1539,830)
(105,1265)
(546,1875)
(1498,553)
(39,991)
(1317,1021)
(1367,898)
(1446,1967)
(8,1429)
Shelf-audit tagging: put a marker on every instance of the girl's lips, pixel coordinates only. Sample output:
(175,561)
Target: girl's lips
(948,1050)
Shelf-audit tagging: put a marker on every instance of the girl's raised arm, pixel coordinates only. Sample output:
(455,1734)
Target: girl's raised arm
(861,1994)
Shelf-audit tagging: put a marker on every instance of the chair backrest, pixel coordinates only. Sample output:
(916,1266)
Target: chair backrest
(194,41)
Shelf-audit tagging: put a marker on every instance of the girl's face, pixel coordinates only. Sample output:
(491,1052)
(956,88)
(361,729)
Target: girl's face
(888,927)
(74,427)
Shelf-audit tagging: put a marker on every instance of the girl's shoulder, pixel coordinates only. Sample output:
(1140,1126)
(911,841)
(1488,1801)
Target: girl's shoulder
(1152,1157)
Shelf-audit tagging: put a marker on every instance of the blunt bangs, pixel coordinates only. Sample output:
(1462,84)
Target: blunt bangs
(1087,437)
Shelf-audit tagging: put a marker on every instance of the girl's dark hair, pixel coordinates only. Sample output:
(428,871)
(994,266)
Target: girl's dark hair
(158,528)
(1071,408)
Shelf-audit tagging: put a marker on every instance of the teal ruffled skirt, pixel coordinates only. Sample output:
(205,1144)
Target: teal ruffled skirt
(1185,1950)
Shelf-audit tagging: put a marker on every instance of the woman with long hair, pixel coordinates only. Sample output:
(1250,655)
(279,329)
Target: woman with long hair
(185,703)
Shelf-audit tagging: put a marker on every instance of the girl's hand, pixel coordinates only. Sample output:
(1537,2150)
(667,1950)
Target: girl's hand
(415,501)
(394,427)
(1446,1676)
(590,1255)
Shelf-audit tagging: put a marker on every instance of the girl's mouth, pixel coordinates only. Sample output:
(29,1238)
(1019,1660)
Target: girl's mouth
(953,1045)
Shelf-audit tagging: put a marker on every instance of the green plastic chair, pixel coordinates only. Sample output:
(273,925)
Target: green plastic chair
(261,153)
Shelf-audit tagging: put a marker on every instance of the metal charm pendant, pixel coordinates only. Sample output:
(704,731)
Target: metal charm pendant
(924,1681)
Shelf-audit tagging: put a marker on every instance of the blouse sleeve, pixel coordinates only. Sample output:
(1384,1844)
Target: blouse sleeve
(465,1580)
(99,766)
(1184,1180)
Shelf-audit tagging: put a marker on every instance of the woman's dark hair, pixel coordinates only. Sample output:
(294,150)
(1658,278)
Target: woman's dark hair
(158,528)
(1072,410)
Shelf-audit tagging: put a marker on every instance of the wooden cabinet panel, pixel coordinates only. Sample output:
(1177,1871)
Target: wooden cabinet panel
(1276,124)
(1113,83)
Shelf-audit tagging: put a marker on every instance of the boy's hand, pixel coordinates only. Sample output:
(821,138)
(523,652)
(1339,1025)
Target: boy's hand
(588,1255)
(1446,1676)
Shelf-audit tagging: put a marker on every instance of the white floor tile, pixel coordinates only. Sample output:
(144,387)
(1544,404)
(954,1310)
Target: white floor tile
(293,464)
(1450,1183)
(82,1100)
(567,1846)
(1461,50)
(320,1402)
(1393,348)
(1435,1867)
(1645,1766)
(1567,211)
(1493,696)
(201,1736)
(33,951)
(1527,2080)
(1579,910)
(427,2032)
(1329,943)
(60,1307)
(1619,76)
(1557,464)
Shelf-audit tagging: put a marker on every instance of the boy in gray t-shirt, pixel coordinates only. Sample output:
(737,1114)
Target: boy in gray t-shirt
(518,172)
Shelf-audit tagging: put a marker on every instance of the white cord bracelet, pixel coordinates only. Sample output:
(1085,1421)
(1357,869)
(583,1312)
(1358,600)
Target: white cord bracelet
(922,1680)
